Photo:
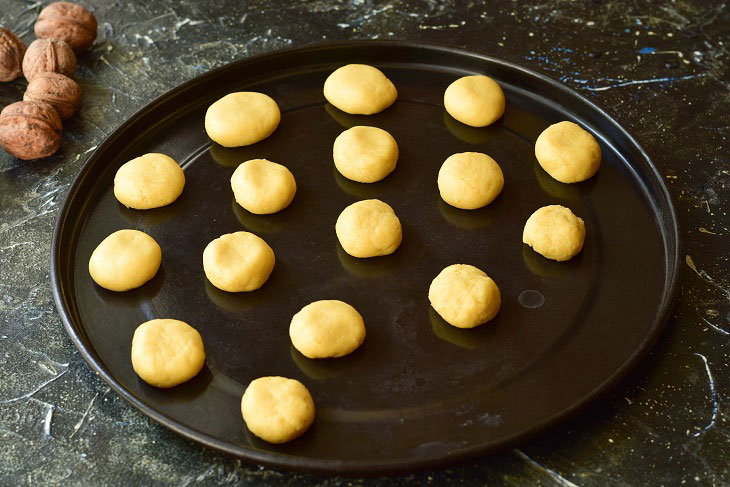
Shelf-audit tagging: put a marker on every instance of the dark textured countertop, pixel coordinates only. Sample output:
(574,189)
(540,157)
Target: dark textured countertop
(660,68)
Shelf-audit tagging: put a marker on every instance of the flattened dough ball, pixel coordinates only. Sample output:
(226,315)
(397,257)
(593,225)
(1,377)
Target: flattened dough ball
(475,100)
(242,118)
(359,89)
(263,187)
(470,180)
(555,232)
(149,181)
(365,154)
(567,152)
(464,296)
(238,262)
(368,228)
(166,353)
(327,328)
(277,409)
(125,260)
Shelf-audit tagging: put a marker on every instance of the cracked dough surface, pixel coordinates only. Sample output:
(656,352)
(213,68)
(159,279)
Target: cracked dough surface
(125,260)
(475,100)
(368,228)
(238,262)
(263,187)
(149,181)
(328,328)
(464,296)
(359,89)
(277,409)
(555,232)
(365,154)
(167,352)
(470,180)
(567,152)
(242,118)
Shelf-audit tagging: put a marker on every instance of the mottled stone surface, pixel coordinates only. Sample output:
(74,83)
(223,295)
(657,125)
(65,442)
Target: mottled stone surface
(661,68)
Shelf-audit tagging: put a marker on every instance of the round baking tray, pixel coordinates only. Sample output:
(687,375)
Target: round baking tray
(418,393)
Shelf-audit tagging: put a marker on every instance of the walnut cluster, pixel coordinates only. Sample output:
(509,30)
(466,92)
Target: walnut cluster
(31,129)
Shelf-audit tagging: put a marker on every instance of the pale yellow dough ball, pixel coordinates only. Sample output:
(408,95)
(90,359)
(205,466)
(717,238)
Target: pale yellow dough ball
(464,296)
(475,100)
(125,260)
(277,409)
(368,228)
(567,152)
(327,328)
(555,232)
(263,187)
(470,180)
(238,262)
(166,353)
(359,89)
(149,181)
(365,154)
(242,118)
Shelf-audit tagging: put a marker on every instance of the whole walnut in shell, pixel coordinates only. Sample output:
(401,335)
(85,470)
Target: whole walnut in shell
(11,55)
(48,56)
(59,91)
(30,129)
(68,22)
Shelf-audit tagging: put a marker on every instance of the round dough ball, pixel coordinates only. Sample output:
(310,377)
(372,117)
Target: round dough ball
(555,232)
(124,260)
(368,228)
(263,187)
(166,353)
(475,100)
(238,262)
(359,89)
(567,152)
(242,118)
(464,296)
(365,154)
(277,409)
(470,180)
(149,181)
(328,328)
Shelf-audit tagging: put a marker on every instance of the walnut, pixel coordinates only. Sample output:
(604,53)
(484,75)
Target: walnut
(68,22)
(48,55)
(30,129)
(11,55)
(59,91)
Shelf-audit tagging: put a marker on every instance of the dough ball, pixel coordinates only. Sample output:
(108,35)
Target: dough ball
(464,296)
(277,409)
(475,100)
(365,154)
(149,181)
(263,187)
(470,180)
(237,262)
(242,118)
(359,89)
(368,228)
(166,353)
(567,152)
(327,328)
(555,232)
(124,260)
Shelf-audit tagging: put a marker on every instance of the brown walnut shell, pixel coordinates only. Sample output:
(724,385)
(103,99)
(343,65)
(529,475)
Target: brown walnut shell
(48,56)
(30,130)
(59,91)
(12,50)
(68,22)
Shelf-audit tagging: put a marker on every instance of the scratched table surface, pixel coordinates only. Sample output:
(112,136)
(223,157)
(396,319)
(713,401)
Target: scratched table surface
(660,68)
